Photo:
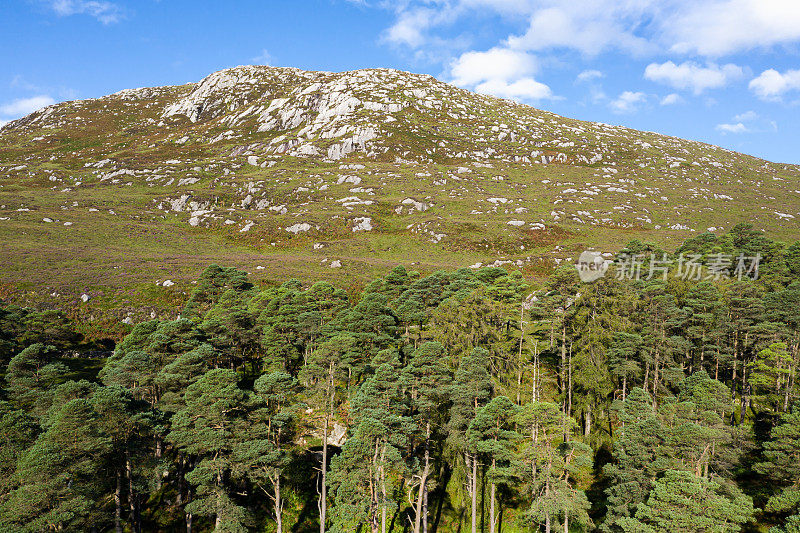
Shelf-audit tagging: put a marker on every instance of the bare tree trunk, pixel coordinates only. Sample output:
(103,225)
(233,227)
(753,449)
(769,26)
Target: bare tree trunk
(323,493)
(563,368)
(384,495)
(421,510)
(520,366)
(624,386)
(425,510)
(473,482)
(118,503)
(547,514)
(278,503)
(492,503)
(588,427)
(218,517)
(569,387)
(535,386)
(133,498)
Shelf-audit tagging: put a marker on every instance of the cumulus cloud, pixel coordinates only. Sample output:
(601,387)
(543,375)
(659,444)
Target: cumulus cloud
(500,72)
(628,102)
(771,84)
(732,128)
(412,24)
(498,63)
(25,106)
(590,27)
(708,28)
(721,27)
(103,11)
(671,99)
(690,75)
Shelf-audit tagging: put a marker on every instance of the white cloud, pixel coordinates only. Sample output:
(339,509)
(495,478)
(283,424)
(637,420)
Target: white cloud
(105,12)
(747,116)
(25,106)
(524,89)
(499,72)
(671,99)
(732,128)
(628,102)
(411,24)
(264,58)
(771,84)
(589,75)
(719,27)
(495,64)
(708,28)
(690,75)
(590,27)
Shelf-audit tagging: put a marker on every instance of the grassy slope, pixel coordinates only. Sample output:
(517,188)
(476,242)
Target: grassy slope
(125,235)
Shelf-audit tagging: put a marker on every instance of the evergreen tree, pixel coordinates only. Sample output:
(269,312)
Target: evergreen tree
(207,429)
(18,432)
(552,468)
(681,502)
(370,468)
(493,438)
(263,450)
(782,464)
(31,375)
(58,482)
(426,380)
(640,453)
(472,388)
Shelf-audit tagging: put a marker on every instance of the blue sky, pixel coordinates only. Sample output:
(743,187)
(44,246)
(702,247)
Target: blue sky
(725,72)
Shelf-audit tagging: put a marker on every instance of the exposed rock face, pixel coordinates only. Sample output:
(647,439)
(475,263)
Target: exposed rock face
(338,435)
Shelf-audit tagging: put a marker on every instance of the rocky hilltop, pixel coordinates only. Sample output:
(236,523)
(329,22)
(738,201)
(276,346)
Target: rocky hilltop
(285,172)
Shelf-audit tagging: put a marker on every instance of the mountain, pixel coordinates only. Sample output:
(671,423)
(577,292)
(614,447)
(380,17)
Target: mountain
(319,175)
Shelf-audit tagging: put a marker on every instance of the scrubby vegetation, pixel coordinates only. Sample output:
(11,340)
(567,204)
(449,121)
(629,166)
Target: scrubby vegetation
(460,401)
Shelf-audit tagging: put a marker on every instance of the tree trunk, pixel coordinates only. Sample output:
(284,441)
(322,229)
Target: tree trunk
(425,510)
(474,494)
(569,386)
(744,394)
(323,493)
(588,428)
(133,498)
(492,503)
(520,366)
(547,514)
(563,368)
(118,504)
(218,517)
(421,507)
(384,496)
(278,504)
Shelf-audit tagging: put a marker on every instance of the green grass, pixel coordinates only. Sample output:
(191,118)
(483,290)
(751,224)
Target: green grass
(117,259)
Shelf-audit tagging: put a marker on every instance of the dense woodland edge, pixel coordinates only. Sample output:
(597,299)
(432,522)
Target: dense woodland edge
(461,401)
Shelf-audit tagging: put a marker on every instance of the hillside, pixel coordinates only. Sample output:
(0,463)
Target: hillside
(317,175)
